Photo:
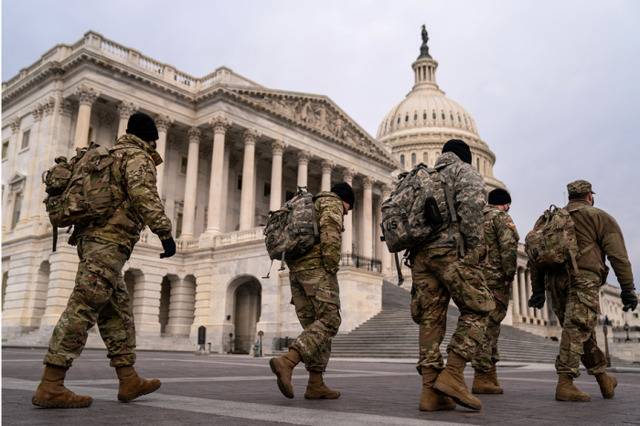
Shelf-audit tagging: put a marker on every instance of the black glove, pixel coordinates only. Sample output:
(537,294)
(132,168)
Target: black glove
(629,300)
(537,300)
(169,246)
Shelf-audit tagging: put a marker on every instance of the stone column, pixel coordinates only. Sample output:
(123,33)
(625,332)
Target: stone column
(216,189)
(191,185)
(523,293)
(515,299)
(366,241)
(248,180)
(146,302)
(303,164)
(181,307)
(327,166)
(347,235)
(275,200)
(86,98)
(125,110)
(162,123)
(385,255)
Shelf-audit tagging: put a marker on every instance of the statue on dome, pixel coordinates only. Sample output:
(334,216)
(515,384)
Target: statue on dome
(424,49)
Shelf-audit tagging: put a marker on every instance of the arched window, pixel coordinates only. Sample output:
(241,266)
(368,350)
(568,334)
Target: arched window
(402,160)
(413,159)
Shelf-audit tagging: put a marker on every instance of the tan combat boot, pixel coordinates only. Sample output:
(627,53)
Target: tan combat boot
(132,385)
(451,383)
(607,385)
(316,389)
(486,383)
(282,367)
(567,391)
(431,400)
(51,392)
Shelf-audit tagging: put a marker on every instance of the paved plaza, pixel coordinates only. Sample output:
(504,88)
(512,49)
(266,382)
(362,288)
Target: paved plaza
(239,390)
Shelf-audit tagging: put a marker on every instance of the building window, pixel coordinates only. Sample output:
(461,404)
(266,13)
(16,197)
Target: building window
(25,139)
(406,118)
(5,150)
(90,136)
(433,115)
(398,119)
(424,115)
(17,207)
(415,116)
(178,224)
(183,165)
(413,159)
(425,157)
(206,217)
(267,189)
(478,164)
(288,195)
(5,281)
(402,160)
(239,185)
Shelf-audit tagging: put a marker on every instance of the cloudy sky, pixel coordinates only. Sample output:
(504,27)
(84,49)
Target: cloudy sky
(553,85)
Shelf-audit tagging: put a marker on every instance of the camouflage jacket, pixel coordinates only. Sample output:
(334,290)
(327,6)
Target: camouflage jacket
(328,251)
(140,205)
(501,239)
(469,199)
(599,235)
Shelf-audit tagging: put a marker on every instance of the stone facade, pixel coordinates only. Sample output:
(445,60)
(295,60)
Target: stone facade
(233,150)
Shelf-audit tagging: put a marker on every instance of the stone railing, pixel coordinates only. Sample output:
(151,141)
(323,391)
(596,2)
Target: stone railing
(236,237)
(374,265)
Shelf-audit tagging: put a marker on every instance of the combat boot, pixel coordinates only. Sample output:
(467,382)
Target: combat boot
(431,400)
(607,385)
(486,383)
(132,385)
(567,391)
(451,383)
(51,392)
(282,367)
(316,389)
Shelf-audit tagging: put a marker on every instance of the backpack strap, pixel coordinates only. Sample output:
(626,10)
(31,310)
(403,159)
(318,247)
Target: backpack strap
(448,194)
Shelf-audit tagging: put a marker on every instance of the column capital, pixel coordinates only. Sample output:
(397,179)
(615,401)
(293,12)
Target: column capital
(250,136)
(163,122)
(194,134)
(125,109)
(220,124)
(277,147)
(367,182)
(37,113)
(49,106)
(303,157)
(15,125)
(348,174)
(86,95)
(67,107)
(327,166)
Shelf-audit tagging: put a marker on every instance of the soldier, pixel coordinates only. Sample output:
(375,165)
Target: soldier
(316,297)
(575,295)
(100,294)
(501,240)
(448,267)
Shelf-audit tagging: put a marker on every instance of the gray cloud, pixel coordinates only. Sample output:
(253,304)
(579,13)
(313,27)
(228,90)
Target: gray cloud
(552,85)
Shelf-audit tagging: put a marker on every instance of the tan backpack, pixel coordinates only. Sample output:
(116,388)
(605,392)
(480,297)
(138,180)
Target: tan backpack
(552,243)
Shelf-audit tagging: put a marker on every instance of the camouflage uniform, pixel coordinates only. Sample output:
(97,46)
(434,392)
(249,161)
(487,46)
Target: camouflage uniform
(100,294)
(501,240)
(314,286)
(575,297)
(440,273)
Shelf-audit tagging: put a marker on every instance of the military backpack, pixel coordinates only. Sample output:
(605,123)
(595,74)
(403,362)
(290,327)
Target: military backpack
(292,231)
(552,243)
(82,190)
(420,206)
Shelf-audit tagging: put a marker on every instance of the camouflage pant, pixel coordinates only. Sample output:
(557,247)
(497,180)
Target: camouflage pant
(487,354)
(315,295)
(438,275)
(576,303)
(100,295)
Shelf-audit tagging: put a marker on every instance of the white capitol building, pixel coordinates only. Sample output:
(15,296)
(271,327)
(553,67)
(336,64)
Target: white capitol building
(233,150)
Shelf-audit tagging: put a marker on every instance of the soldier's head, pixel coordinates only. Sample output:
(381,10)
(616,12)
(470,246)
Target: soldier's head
(580,190)
(143,126)
(345,192)
(459,148)
(500,198)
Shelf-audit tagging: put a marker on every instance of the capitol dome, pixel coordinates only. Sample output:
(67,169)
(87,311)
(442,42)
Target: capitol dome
(417,127)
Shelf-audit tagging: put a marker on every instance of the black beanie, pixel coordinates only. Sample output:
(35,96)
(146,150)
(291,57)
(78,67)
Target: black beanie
(345,192)
(142,126)
(498,197)
(459,148)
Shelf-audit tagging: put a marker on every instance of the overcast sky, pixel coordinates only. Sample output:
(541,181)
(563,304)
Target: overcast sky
(553,85)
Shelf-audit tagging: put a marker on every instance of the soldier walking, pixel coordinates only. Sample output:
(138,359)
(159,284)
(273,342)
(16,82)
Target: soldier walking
(100,294)
(575,292)
(315,295)
(448,267)
(501,240)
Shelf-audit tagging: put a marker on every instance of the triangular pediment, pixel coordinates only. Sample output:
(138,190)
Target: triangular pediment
(318,114)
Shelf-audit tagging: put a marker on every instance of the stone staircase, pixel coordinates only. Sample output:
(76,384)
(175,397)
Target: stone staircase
(393,334)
